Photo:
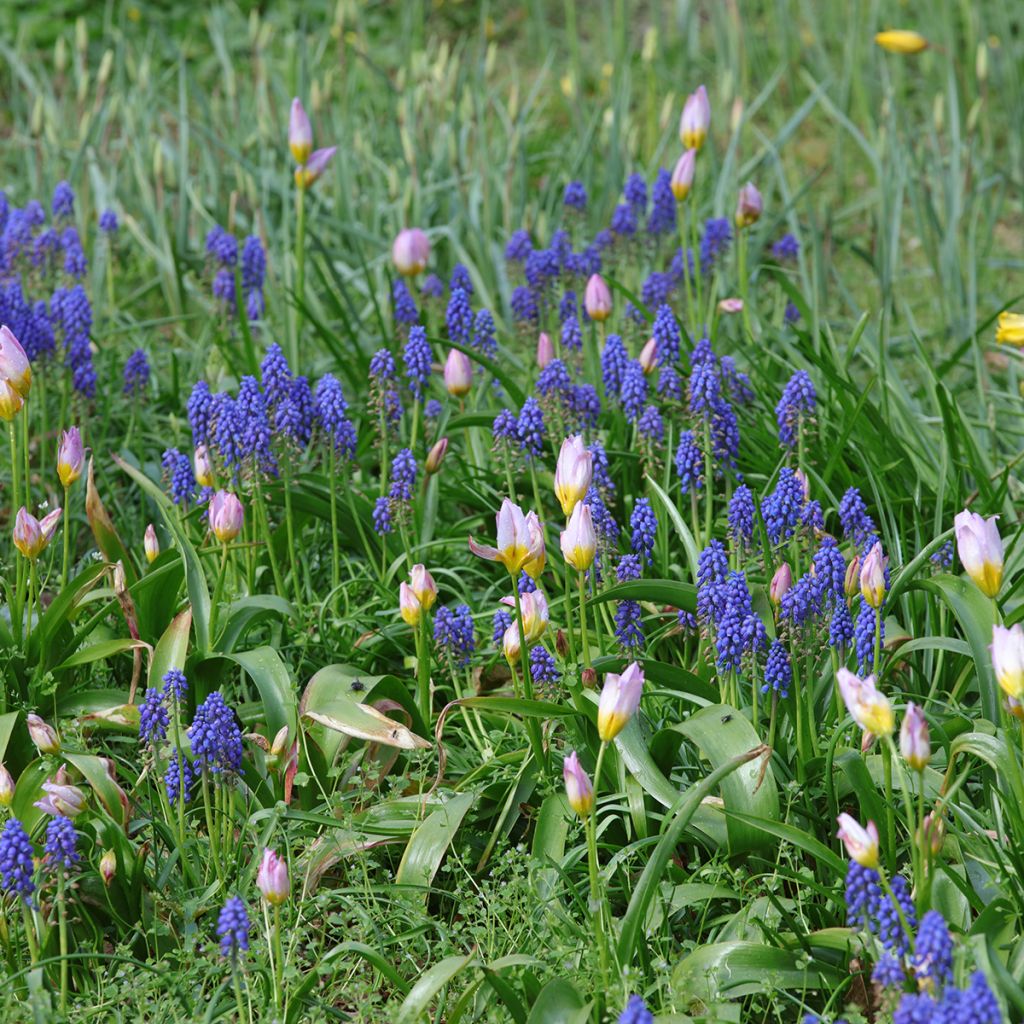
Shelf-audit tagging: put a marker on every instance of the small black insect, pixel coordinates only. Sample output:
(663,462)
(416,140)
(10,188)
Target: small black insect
(726,718)
(357,685)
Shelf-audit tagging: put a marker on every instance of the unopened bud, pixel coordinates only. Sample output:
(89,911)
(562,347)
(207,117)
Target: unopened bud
(931,834)
(6,787)
(801,476)
(277,748)
(436,456)
(781,582)
(561,643)
(108,866)
(588,678)
(42,735)
(852,582)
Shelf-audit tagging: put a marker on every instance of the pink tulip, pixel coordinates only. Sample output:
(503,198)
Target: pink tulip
(10,401)
(781,582)
(300,133)
(695,119)
(226,516)
(517,543)
(423,586)
(1008,659)
(861,843)
(578,539)
(32,535)
(649,355)
(749,206)
(42,735)
(311,172)
(620,697)
(272,878)
(70,457)
(14,365)
(436,456)
(597,299)
(545,350)
(458,373)
(683,174)
(574,472)
(151,544)
(981,550)
(872,576)
(579,790)
(410,252)
(915,743)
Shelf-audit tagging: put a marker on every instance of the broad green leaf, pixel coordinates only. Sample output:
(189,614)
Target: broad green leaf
(243,615)
(108,792)
(559,1002)
(671,592)
(798,837)
(672,829)
(734,969)
(364,722)
(429,843)
(100,651)
(8,720)
(266,669)
(195,578)
(720,733)
(171,649)
(60,611)
(103,529)
(976,616)
(429,984)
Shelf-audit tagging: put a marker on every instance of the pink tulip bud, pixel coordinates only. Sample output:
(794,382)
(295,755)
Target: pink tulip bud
(70,457)
(510,645)
(683,174)
(981,550)
(306,176)
(597,299)
(300,133)
(10,401)
(108,866)
(851,584)
(749,206)
(203,466)
(458,373)
(6,786)
(226,516)
(410,252)
(42,735)
(730,306)
(932,834)
(534,564)
(151,544)
(781,582)
(861,843)
(534,607)
(695,119)
(423,586)
(61,798)
(1008,659)
(31,535)
(520,541)
(578,539)
(409,606)
(620,698)
(579,790)
(574,472)
(545,350)
(436,456)
(272,878)
(872,576)
(14,365)
(649,355)
(915,744)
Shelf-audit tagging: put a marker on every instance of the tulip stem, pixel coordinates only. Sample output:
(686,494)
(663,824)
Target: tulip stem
(278,959)
(218,590)
(214,844)
(697,273)
(568,615)
(596,903)
(261,506)
(532,728)
(890,819)
(583,619)
(335,543)
(877,663)
(300,270)
(741,255)
(16,620)
(709,480)
(30,934)
(423,670)
(32,583)
(67,542)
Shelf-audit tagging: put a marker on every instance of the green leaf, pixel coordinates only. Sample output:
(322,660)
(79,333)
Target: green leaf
(99,651)
(7,724)
(195,578)
(721,733)
(249,612)
(559,1002)
(672,828)
(429,843)
(429,984)
(733,969)
(108,792)
(103,529)
(266,669)
(60,611)
(171,649)
(976,616)
(798,837)
(672,592)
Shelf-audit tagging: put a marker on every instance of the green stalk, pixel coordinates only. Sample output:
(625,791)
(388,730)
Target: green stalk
(300,271)
(214,843)
(583,619)
(261,510)
(278,959)
(30,934)
(217,592)
(16,611)
(697,274)
(596,901)
(236,985)
(290,528)
(67,541)
(568,614)
(532,728)
(62,914)
(890,818)
(423,670)
(741,255)
(335,543)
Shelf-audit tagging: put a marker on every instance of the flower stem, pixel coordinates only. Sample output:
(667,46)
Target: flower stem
(218,590)
(300,271)
(62,914)
(67,542)
(583,620)
(423,670)
(532,728)
(278,959)
(596,902)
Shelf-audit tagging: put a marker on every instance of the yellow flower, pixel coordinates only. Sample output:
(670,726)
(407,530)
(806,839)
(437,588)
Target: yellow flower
(898,40)
(1011,329)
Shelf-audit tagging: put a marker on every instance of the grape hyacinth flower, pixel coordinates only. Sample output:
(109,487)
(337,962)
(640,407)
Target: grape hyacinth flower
(108,222)
(331,415)
(459,316)
(276,375)
(714,243)
(633,390)
(518,247)
(857,525)
(454,633)
(433,287)
(614,361)
(405,309)
(689,463)
(786,249)
(530,429)
(153,719)
(636,1012)
(136,374)
(295,414)
(543,669)
(417,356)
(254,269)
(63,205)
(61,841)
(741,515)
(780,510)
(215,736)
(233,928)
(16,866)
(75,263)
(575,196)
(175,686)
(628,616)
(778,672)
(795,408)
(178,471)
(524,306)
(644,526)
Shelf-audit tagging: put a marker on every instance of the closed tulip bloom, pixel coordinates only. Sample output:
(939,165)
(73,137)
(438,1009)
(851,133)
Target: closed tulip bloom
(226,516)
(534,565)
(108,867)
(6,787)
(851,584)
(869,707)
(981,550)
(579,790)
(648,358)
(32,535)
(272,878)
(597,299)
(423,586)
(872,577)
(410,252)
(781,582)
(574,472)
(61,798)
(70,457)
(749,206)
(1008,659)
(1010,330)
(545,350)
(510,644)
(10,401)
(861,843)
(517,544)
(579,541)
(14,365)
(436,456)
(534,607)
(306,176)
(730,306)
(683,173)
(203,466)
(409,605)
(903,41)
(915,745)
(42,735)
(300,133)
(695,119)
(620,698)
(458,373)
(151,544)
